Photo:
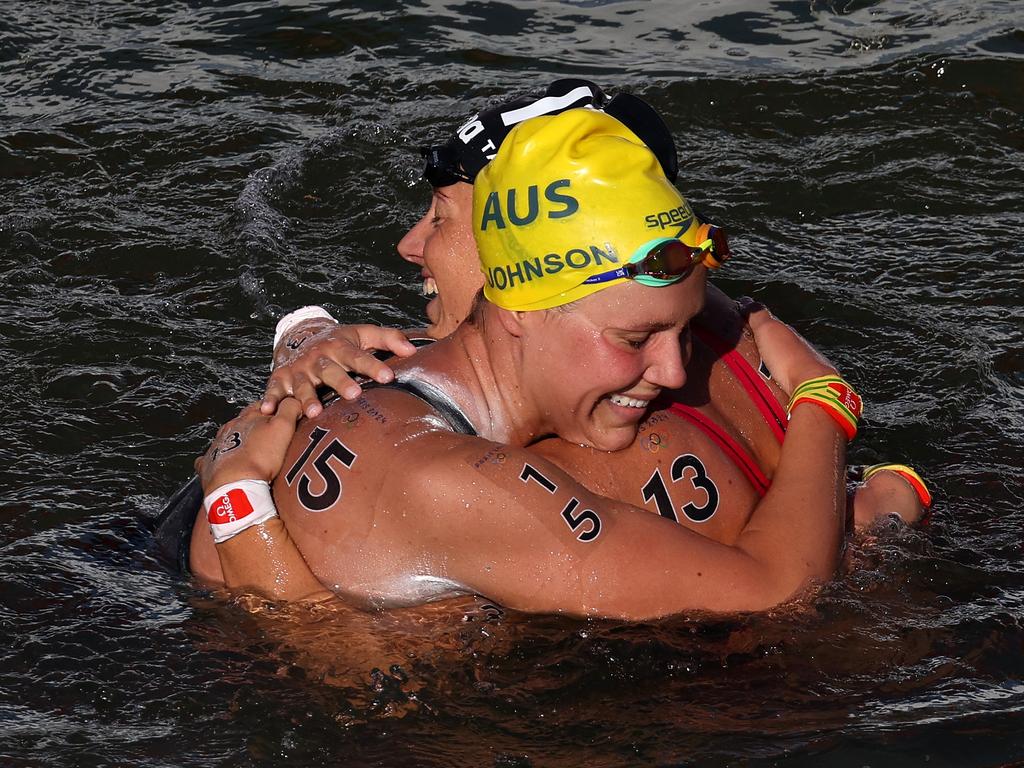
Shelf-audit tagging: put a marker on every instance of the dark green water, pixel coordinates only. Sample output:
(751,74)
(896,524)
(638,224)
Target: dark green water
(173,175)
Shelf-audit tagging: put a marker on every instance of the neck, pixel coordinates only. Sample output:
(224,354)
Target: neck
(479,367)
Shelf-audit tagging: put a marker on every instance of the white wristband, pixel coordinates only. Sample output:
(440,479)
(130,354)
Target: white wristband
(300,315)
(236,506)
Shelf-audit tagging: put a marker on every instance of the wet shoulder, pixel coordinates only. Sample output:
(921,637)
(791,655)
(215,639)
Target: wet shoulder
(360,437)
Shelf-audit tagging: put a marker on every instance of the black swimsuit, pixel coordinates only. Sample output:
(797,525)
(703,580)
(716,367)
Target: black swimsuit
(172,529)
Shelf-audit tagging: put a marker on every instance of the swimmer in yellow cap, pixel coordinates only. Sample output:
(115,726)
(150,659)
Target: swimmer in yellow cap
(544,245)
(423,491)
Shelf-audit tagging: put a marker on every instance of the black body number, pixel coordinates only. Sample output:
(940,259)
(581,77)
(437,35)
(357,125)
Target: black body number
(657,490)
(532,473)
(576,520)
(573,519)
(328,478)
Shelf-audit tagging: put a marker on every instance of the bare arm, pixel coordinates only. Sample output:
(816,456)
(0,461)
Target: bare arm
(262,558)
(526,534)
(522,532)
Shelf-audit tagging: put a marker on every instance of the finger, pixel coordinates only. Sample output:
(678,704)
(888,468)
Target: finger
(338,379)
(394,341)
(747,305)
(305,396)
(353,360)
(278,388)
(365,363)
(282,424)
(290,410)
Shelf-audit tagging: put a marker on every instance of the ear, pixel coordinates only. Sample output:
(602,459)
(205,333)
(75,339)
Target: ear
(512,321)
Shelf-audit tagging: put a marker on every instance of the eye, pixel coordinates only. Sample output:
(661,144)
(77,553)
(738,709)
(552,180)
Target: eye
(637,342)
(435,221)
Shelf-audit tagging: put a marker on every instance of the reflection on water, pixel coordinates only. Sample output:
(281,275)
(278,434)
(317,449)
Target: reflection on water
(173,177)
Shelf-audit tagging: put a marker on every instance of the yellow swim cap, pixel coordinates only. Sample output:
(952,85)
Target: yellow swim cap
(567,197)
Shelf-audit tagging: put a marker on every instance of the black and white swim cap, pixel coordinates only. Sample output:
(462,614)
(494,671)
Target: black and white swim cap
(476,142)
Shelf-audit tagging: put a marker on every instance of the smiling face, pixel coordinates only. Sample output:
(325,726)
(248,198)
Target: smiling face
(441,243)
(592,371)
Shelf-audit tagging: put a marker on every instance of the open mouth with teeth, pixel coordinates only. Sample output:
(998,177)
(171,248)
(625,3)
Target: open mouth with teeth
(429,287)
(629,402)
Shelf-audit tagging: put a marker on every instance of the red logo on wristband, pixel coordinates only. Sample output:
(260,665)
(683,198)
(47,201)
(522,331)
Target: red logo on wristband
(847,397)
(231,506)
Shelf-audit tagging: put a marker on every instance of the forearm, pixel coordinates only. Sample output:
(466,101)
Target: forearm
(252,545)
(264,559)
(796,531)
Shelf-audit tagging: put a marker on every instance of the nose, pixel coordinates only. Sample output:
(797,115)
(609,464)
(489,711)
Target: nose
(410,247)
(667,364)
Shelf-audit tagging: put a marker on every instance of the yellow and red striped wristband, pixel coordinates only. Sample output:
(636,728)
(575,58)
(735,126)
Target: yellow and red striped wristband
(907,473)
(833,395)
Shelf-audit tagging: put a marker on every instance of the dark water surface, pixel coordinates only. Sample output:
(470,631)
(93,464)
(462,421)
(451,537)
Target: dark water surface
(174,175)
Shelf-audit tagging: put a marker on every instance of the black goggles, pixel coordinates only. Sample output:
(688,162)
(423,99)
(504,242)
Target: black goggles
(442,168)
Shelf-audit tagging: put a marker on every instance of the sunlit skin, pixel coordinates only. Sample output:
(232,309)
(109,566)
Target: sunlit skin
(424,513)
(525,385)
(441,243)
(575,361)
(584,364)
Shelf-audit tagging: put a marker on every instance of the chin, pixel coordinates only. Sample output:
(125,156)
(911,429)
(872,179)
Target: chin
(440,327)
(616,439)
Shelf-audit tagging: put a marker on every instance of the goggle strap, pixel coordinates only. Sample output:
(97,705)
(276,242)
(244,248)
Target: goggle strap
(604,277)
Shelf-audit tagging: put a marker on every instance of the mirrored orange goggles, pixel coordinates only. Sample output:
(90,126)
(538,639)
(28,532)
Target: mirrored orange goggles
(666,260)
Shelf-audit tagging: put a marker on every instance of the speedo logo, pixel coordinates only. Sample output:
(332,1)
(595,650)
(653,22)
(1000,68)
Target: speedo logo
(504,277)
(232,506)
(673,217)
(512,213)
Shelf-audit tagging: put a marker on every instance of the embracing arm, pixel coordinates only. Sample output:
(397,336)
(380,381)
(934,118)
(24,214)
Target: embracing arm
(312,349)
(255,551)
(526,534)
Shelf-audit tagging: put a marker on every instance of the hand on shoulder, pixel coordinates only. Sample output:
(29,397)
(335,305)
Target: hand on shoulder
(314,354)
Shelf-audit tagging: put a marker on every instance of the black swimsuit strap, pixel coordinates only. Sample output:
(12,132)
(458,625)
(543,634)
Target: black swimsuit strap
(440,402)
(435,398)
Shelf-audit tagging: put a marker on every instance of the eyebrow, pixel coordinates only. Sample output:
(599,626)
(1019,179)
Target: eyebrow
(664,325)
(648,328)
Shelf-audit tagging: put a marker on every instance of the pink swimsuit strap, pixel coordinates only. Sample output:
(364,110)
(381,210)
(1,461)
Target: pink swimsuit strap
(757,389)
(760,394)
(730,447)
